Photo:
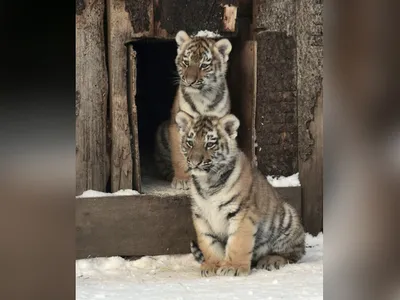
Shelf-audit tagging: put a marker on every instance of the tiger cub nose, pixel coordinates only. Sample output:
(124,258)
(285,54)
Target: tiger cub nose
(190,80)
(196,161)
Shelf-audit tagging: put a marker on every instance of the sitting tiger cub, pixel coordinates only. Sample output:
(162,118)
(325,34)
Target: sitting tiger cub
(239,219)
(202,64)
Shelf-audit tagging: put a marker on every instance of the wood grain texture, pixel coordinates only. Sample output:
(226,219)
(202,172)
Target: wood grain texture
(134,225)
(310,122)
(275,15)
(124,23)
(141,225)
(242,87)
(133,118)
(170,16)
(91,97)
(276,104)
(229,19)
(311,175)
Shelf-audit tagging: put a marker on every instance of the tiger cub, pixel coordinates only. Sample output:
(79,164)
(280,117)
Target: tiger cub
(239,218)
(202,64)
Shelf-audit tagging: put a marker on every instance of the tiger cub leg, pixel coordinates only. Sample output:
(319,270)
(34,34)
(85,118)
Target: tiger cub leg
(239,248)
(211,248)
(281,256)
(179,164)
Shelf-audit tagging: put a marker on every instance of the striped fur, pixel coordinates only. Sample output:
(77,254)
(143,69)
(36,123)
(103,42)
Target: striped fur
(163,151)
(202,64)
(239,218)
(198,255)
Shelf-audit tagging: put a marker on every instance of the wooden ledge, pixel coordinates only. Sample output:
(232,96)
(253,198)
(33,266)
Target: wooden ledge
(141,224)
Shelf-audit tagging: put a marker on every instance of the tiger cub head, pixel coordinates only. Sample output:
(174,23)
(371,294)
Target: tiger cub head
(201,62)
(207,142)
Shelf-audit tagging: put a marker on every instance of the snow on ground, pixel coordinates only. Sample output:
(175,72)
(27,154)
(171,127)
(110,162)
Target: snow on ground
(178,277)
(96,194)
(283,181)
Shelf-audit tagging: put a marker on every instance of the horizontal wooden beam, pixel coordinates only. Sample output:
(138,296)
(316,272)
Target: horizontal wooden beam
(170,16)
(141,225)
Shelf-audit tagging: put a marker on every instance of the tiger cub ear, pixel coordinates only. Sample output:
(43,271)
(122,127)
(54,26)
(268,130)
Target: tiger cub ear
(224,47)
(181,37)
(183,120)
(230,124)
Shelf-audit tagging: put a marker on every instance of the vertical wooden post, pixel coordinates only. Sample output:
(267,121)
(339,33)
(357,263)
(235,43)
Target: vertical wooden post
(309,84)
(248,100)
(126,19)
(170,16)
(91,96)
(276,107)
(132,74)
(242,86)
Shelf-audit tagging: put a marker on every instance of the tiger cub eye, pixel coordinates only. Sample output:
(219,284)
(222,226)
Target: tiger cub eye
(210,145)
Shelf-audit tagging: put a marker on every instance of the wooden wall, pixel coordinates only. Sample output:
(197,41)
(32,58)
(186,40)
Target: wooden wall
(289,96)
(91,97)
(278,94)
(103,29)
(274,23)
(309,35)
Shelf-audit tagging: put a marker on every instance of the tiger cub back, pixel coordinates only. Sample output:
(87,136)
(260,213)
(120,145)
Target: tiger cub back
(239,218)
(162,153)
(202,64)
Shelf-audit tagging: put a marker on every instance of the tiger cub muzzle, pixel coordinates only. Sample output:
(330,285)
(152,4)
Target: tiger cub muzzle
(199,162)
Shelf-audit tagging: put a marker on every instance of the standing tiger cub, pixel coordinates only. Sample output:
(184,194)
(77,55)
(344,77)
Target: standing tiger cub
(239,219)
(202,64)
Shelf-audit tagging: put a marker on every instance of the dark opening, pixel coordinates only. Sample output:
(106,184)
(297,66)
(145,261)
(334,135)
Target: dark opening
(156,84)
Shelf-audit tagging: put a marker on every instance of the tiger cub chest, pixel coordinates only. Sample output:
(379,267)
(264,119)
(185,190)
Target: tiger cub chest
(214,215)
(196,104)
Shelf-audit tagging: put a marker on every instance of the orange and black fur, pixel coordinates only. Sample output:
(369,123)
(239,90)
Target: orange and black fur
(202,65)
(239,218)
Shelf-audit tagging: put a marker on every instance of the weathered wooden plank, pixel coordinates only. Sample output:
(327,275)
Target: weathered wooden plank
(276,108)
(132,86)
(276,104)
(126,19)
(134,225)
(192,16)
(242,87)
(229,18)
(91,97)
(119,30)
(275,15)
(309,82)
(140,15)
(311,173)
(141,225)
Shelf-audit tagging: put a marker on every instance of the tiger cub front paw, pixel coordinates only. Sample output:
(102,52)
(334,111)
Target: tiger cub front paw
(208,269)
(180,183)
(229,269)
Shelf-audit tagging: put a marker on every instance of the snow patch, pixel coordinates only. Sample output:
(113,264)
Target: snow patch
(282,181)
(178,277)
(207,34)
(96,194)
